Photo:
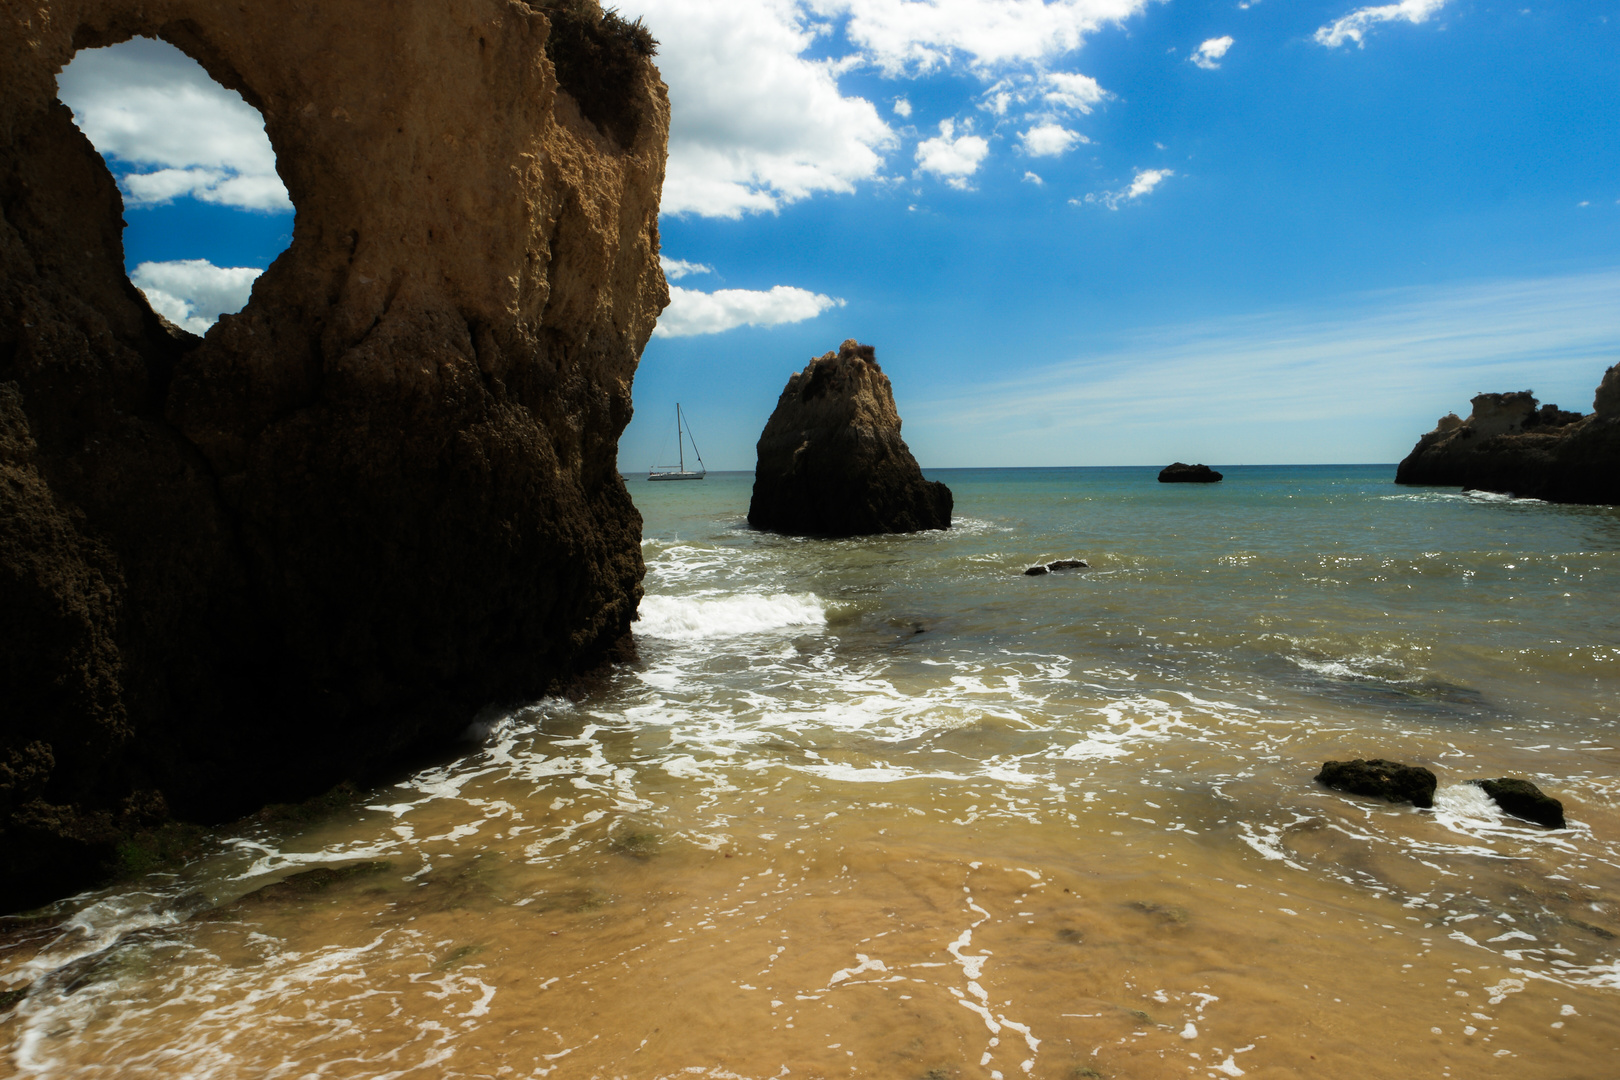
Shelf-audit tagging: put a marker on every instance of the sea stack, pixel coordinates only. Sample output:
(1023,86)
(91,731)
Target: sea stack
(831,460)
(1511,444)
(1182,473)
(309,545)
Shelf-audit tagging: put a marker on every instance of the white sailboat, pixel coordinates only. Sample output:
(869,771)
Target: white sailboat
(678,472)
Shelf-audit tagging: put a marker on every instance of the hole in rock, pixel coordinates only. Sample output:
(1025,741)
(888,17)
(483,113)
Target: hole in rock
(205,211)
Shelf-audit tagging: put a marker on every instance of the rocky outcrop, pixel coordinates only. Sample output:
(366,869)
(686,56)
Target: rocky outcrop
(831,460)
(1182,473)
(1381,779)
(243,567)
(1524,800)
(1509,444)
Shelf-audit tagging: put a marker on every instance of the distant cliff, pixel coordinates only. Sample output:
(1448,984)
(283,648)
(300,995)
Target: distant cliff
(1510,444)
(241,568)
(831,460)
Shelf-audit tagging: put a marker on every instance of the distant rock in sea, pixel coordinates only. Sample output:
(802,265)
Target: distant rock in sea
(1524,800)
(831,460)
(1182,473)
(1381,779)
(1510,445)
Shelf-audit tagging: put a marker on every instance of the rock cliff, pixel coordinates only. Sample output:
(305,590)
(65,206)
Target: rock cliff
(1509,444)
(831,460)
(243,567)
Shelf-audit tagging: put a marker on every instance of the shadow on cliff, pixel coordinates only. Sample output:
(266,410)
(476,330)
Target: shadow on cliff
(312,544)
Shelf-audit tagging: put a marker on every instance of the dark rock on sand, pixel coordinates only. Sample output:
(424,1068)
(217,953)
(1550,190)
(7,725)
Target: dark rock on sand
(1056,565)
(1382,779)
(1182,473)
(310,545)
(1509,445)
(831,460)
(1524,800)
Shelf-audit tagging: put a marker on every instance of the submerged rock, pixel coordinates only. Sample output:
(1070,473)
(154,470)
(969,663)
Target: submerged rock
(1509,445)
(1381,779)
(831,460)
(1182,473)
(1524,800)
(239,568)
(1056,565)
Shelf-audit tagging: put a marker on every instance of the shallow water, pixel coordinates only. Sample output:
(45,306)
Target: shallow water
(888,807)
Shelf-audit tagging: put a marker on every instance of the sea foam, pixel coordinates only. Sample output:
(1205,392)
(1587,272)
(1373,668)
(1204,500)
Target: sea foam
(689,618)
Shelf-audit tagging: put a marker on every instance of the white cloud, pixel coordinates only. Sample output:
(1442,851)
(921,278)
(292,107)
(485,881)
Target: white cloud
(917,36)
(1208,55)
(149,105)
(194,293)
(951,157)
(691,312)
(754,123)
(1050,140)
(757,124)
(1031,178)
(1071,90)
(675,269)
(1354,26)
(1141,184)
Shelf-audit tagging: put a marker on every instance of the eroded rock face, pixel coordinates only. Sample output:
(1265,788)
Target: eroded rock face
(243,567)
(1524,800)
(1508,444)
(831,460)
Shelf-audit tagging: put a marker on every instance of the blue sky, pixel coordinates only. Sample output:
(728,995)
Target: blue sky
(1077,231)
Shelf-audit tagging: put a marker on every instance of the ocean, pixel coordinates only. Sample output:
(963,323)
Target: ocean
(889,807)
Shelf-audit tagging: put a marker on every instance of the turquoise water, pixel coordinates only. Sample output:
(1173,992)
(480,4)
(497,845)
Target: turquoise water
(889,807)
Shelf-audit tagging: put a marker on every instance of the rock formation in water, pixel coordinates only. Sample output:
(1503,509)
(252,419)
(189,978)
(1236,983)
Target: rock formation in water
(1380,779)
(1054,566)
(243,567)
(1182,473)
(831,460)
(1524,800)
(1509,445)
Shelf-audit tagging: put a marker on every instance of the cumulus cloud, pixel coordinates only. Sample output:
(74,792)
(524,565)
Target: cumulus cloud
(1031,178)
(1354,26)
(1049,140)
(1071,90)
(147,105)
(1141,184)
(675,269)
(759,119)
(194,293)
(754,123)
(917,36)
(1208,55)
(951,157)
(691,312)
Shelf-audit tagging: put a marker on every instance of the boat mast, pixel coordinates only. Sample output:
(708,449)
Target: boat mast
(680,448)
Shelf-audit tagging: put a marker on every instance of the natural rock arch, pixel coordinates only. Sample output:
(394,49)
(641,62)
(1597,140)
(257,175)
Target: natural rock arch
(242,567)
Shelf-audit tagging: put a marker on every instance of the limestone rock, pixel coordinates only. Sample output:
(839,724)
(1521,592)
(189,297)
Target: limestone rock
(240,568)
(1182,473)
(1508,444)
(831,460)
(1381,779)
(1523,799)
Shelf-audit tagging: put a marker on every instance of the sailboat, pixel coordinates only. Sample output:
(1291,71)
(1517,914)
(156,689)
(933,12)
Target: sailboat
(678,472)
